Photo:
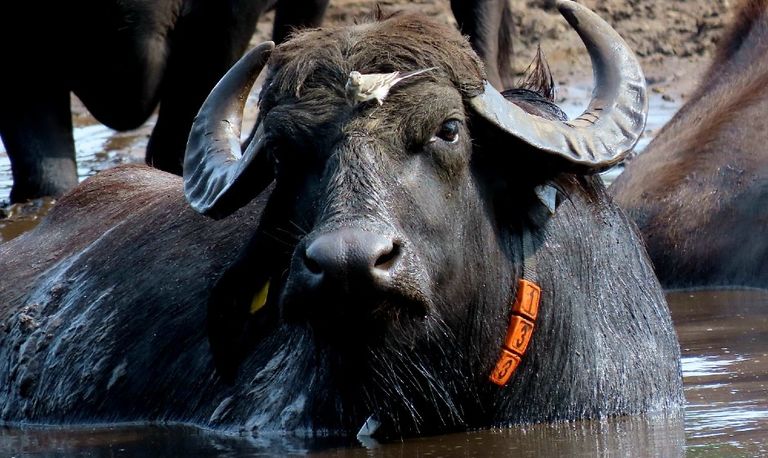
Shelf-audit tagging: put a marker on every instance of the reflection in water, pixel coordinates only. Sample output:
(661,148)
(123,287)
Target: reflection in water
(620,437)
(660,436)
(703,366)
(138,441)
(724,337)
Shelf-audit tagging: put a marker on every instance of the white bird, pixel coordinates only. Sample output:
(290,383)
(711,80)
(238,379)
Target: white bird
(361,88)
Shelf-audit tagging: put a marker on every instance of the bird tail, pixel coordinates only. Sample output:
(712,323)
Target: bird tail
(416,72)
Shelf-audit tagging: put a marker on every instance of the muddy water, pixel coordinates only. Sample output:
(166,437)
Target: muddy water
(724,339)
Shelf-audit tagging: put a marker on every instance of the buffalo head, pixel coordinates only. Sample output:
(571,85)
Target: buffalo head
(390,246)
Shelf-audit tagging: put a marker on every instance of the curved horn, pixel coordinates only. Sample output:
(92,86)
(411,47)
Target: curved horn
(218,177)
(614,119)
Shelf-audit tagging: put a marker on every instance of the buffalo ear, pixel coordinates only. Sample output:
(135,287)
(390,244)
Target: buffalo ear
(241,310)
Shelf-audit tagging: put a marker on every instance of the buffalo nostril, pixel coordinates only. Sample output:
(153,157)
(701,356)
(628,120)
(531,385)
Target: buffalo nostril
(350,255)
(312,265)
(387,260)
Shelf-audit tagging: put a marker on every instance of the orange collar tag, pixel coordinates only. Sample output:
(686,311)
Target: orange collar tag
(525,309)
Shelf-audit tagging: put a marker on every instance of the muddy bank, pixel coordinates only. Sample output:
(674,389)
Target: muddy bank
(673,39)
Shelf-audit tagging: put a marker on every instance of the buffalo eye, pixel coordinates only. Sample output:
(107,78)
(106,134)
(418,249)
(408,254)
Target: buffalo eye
(448,131)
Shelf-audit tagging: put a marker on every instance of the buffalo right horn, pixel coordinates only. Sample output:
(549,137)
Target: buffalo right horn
(614,119)
(218,177)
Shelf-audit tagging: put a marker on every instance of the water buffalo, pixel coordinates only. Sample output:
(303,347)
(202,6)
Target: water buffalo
(699,193)
(361,260)
(123,58)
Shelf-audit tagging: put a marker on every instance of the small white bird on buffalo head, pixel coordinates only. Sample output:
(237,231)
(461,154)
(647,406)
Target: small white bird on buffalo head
(361,88)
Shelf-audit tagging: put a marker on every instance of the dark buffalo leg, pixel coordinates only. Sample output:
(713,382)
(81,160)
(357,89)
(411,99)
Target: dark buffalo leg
(207,40)
(290,15)
(36,127)
(489,26)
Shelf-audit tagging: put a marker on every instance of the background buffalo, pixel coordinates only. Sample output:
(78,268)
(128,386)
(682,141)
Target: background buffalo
(388,239)
(122,59)
(699,192)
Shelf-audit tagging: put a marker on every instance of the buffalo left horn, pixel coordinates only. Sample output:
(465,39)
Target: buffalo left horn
(615,118)
(218,177)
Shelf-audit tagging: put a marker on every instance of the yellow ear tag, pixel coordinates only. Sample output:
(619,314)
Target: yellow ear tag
(260,299)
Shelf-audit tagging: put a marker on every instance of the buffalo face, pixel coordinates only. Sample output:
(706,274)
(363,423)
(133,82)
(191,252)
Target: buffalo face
(391,240)
(388,211)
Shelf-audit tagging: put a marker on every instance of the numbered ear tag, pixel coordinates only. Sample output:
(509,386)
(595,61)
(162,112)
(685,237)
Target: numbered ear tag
(525,309)
(260,298)
(505,366)
(527,299)
(518,334)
